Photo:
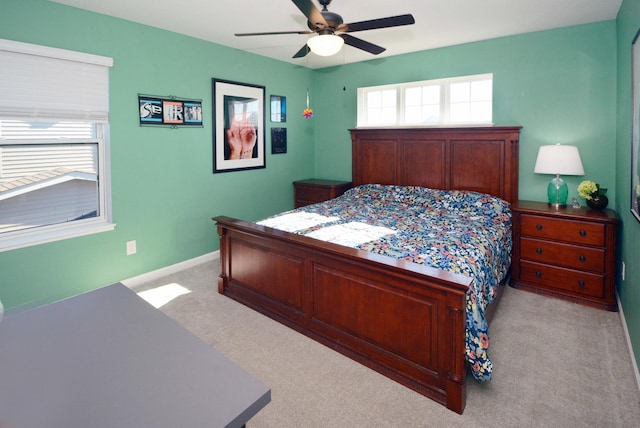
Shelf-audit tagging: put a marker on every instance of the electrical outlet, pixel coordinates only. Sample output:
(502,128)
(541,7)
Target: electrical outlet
(131,247)
(623,270)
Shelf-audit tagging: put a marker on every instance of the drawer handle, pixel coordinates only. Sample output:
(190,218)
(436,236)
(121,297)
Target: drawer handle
(539,250)
(581,284)
(583,232)
(538,274)
(538,226)
(582,259)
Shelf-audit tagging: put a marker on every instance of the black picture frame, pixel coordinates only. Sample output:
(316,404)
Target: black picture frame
(169,111)
(278,108)
(238,109)
(278,141)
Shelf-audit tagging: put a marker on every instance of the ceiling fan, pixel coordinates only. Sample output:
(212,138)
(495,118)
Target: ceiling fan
(326,24)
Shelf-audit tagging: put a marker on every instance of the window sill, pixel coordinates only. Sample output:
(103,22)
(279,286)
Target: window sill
(55,233)
(435,125)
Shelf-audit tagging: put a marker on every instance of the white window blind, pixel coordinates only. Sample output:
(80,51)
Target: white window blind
(38,83)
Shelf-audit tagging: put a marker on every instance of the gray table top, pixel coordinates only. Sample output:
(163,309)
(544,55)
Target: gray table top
(107,358)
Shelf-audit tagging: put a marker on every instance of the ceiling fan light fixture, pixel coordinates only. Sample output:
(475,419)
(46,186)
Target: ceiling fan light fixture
(325,44)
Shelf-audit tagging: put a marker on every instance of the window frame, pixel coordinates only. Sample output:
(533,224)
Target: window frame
(445,102)
(38,235)
(59,231)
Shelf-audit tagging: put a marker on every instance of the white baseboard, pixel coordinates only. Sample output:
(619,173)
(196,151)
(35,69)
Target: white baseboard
(168,270)
(634,363)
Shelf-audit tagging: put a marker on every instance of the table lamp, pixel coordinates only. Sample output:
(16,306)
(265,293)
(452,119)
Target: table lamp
(558,159)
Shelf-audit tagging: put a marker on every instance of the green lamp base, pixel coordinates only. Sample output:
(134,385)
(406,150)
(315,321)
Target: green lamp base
(557,192)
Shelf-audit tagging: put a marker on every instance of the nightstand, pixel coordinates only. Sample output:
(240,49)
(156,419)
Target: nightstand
(568,253)
(312,191)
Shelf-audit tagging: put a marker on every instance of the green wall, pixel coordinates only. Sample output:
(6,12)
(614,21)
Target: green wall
(569,86)
(629,289)
(558,85)
(163,189)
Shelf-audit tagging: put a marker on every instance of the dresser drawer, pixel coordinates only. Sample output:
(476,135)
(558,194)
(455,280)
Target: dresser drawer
(574,231)
(312,194)
(565,252)
(567,255)
(563,280)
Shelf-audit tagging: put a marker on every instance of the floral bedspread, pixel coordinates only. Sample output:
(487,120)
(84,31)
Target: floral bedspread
(458,231)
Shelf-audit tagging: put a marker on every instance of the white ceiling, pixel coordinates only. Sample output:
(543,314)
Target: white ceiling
(438,22)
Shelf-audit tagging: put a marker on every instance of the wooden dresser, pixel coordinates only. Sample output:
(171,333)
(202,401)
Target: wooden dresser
(313,190)
(568,253)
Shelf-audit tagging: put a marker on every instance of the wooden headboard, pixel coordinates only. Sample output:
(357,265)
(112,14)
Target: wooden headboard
(483,159)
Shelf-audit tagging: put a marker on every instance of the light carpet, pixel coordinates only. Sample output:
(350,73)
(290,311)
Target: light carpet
(556,364)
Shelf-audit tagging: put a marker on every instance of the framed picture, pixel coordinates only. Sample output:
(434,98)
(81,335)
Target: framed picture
(635,144)
(238,131)
(278,141)
(150,110)
(278,108)
(169,111)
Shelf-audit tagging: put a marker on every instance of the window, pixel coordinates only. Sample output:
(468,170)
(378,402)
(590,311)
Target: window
(381,106)
(54,144)
(455,101)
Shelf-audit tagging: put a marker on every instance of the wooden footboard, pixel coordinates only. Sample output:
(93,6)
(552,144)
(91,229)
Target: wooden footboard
(404,320)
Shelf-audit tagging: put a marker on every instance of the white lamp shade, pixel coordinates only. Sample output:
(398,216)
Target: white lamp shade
(559,159)
(325,44)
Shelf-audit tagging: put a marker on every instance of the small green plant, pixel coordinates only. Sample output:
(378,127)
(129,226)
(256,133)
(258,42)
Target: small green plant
(589,189)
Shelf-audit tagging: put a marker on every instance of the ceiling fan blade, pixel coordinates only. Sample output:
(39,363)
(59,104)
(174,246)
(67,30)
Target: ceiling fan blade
(361,44)
(392,21)
(312,13)
(273,33)
(302,52)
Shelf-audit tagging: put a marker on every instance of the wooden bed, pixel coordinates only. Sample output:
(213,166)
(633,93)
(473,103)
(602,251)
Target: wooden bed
(402,319)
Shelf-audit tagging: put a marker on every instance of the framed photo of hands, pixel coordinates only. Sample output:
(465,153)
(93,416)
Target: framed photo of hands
(239,126)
